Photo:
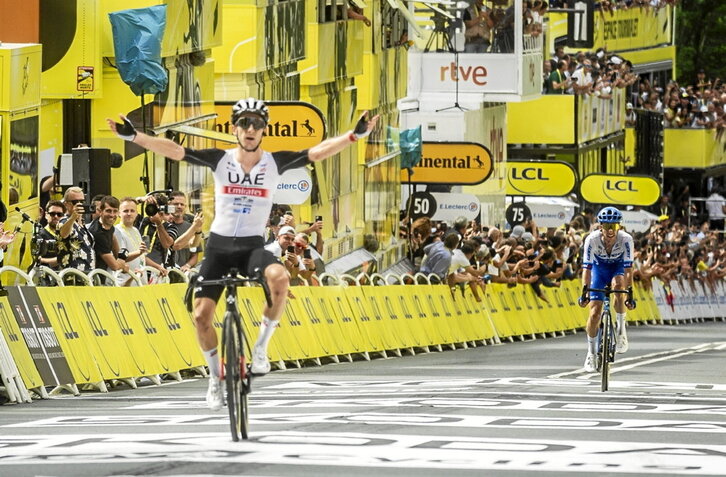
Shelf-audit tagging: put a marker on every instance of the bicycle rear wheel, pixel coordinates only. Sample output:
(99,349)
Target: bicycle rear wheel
(605,355)
(236,376)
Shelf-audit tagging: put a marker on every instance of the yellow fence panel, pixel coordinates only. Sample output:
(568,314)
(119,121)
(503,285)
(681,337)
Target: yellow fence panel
(18,347)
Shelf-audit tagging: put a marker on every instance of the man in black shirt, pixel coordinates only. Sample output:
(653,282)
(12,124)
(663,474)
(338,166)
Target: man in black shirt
(104,243)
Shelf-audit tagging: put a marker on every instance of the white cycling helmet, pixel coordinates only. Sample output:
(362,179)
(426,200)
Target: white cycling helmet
(250,106)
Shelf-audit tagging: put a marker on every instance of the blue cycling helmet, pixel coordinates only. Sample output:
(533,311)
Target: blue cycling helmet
(609,215)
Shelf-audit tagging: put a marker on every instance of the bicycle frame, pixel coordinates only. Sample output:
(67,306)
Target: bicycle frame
(236,373)
(606,339)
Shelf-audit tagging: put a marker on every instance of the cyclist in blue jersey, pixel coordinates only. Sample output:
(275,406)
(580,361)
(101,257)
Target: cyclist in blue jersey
(607,260)
(245,179)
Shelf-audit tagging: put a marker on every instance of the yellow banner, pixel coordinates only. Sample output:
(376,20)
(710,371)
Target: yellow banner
(541,178)
(619,190)
(460,163)
(293,126)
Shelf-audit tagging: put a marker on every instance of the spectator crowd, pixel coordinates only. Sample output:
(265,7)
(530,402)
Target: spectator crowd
(139,240)
(681,244)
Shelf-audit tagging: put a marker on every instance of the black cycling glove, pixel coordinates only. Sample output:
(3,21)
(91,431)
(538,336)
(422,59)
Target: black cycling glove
(361,128)
(126,131)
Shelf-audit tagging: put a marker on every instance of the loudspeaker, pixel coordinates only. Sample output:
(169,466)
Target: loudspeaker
(90,170)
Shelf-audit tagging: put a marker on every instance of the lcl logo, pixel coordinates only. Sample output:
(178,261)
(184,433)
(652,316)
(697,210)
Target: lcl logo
(621,186)
(529,174)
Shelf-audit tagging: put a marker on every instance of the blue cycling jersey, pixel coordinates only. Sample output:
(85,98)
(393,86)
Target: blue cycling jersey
(595,252)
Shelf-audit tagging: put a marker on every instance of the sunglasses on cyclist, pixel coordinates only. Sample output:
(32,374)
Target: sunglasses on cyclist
(246,121)
(610,226)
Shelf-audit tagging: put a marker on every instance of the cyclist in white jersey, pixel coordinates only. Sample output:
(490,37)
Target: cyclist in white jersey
(245,179)
(607,260)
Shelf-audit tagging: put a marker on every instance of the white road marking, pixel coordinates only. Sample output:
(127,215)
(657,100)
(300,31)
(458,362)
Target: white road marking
(369,450)
(503,403)
(373,418)
(646,359)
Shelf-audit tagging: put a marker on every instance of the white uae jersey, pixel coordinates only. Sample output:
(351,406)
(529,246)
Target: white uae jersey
(596,254)
(242,202)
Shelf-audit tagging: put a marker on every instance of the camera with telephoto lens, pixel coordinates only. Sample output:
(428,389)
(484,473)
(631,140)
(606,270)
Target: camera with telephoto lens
(161,205)
(40,247)
(153,209)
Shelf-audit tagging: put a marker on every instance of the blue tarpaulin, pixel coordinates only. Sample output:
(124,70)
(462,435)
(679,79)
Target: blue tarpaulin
(410,140)
(137,36)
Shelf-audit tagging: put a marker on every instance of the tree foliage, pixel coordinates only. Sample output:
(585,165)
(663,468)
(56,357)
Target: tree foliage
(700,34)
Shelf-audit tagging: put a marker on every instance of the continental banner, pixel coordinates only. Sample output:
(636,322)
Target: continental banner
(294,125)
(540,178)
(620,190)
(456,163)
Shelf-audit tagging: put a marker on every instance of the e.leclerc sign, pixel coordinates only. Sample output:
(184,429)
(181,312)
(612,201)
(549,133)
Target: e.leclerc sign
(540,178)
(620,190)
(456,163)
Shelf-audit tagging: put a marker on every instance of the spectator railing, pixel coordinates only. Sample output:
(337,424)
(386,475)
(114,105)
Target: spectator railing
(42,271)
(110,278)
(76,274)
(12,269)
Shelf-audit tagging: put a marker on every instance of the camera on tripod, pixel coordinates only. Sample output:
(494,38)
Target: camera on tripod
(445,28)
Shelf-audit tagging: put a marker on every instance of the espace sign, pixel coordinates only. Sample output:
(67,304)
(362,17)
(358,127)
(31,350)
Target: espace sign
(474,73)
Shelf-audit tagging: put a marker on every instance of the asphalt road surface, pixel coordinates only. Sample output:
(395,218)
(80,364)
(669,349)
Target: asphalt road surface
(514,409)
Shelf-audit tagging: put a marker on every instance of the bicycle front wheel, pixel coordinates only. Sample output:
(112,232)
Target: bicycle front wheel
(607,341)
(235,369)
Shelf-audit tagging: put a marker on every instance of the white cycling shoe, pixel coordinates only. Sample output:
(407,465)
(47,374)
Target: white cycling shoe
(260,363)
(622,344)
(590,363)
(215,397)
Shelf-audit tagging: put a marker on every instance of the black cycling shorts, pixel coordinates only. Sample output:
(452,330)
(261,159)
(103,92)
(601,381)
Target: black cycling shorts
(223,253)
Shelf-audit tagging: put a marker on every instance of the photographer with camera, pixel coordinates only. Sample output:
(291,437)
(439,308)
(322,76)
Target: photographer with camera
(155,228)
(104,244)
(75,250)
(46,240)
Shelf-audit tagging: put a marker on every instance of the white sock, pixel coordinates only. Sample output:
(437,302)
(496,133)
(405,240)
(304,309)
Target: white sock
(621,322)
(267,328)
(591,344)
(212,361)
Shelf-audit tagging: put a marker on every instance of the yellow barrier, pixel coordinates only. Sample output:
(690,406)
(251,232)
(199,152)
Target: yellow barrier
(18,347)
(108,333)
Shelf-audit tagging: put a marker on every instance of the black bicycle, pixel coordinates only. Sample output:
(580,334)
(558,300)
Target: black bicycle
(235,369)
(606,335)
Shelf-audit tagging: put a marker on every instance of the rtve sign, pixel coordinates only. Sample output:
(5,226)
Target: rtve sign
(540,178)
(474,73)
(455,163)
(620,190)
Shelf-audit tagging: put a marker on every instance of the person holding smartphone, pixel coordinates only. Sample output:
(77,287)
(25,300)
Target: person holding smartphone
(284,250)
(75,248)
(303,250)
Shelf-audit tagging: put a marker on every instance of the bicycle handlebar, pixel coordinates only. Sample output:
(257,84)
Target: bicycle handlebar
(606,291)
(231,279)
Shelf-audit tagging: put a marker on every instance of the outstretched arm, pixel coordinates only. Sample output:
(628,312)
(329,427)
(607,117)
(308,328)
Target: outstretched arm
(165,147)
(336,144)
